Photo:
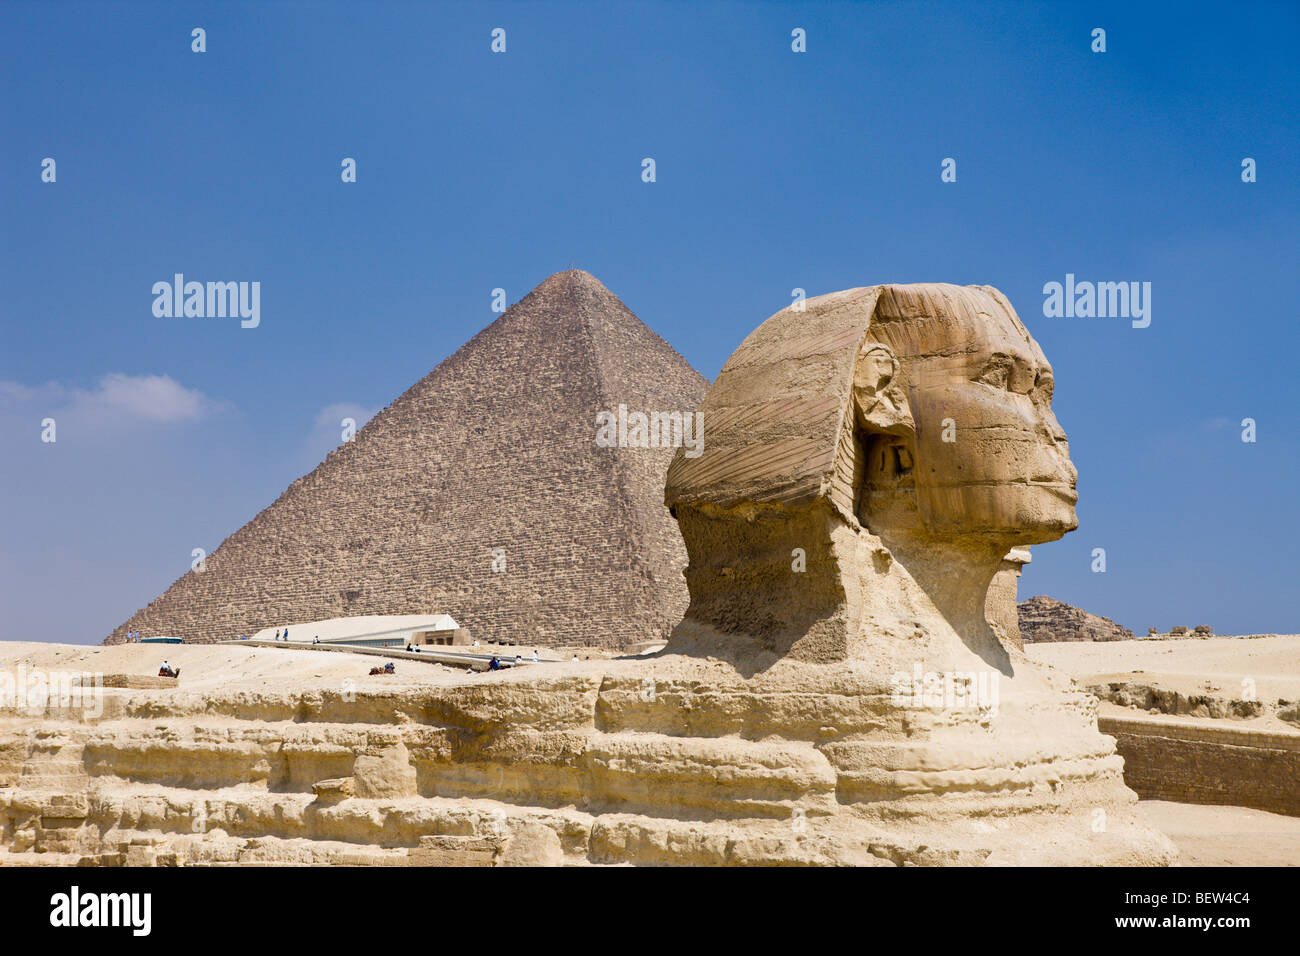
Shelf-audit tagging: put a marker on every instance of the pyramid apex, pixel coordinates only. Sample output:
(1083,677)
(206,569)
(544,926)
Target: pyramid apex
(572,279)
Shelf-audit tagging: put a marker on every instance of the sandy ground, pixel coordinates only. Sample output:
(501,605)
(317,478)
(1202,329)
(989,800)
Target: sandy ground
(213,667)
(1186,666)
(237,668)
(1226,836)
(1217,665)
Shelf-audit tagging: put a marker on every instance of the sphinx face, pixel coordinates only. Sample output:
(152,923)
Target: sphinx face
(987,456)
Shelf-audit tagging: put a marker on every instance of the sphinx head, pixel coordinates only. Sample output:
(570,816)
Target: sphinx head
(918,414)
(953,406)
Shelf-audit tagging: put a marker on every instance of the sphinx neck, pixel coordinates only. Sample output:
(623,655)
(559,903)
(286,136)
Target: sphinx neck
(955,579)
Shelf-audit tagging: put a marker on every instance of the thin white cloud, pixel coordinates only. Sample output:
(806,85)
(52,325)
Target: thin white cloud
(15,393)
(117,398)
(153,398)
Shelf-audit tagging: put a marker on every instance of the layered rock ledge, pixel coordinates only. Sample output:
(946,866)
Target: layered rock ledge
(672,760)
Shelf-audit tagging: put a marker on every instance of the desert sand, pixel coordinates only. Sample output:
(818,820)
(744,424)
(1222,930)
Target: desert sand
(227,667)
(1183,664)
(1225,836)
(1213,667)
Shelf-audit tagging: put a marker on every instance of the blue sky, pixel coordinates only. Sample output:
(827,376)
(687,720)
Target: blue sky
(775,170)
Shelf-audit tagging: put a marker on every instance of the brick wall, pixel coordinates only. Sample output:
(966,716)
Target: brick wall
(1217,765)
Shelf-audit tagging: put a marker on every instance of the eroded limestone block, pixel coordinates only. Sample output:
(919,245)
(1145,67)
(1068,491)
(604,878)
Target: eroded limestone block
(533,844)
(334,789)
(455,850)
(387,773)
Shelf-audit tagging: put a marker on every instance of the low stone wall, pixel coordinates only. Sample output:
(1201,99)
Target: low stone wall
(1172,760)
(138,681)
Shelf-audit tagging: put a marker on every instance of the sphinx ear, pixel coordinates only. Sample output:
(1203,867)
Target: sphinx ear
(880,405)
(886,442)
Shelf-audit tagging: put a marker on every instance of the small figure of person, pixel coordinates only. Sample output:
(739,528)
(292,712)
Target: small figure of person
(535,657)
(494,664)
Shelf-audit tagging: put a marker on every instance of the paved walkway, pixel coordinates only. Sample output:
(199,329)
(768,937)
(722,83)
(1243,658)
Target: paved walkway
(471,658)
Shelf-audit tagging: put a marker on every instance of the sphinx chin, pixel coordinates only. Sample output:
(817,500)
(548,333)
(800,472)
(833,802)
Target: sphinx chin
(1044,525)
(1040,513)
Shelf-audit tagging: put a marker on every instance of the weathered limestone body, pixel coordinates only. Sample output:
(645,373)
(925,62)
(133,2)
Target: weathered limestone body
(841,545)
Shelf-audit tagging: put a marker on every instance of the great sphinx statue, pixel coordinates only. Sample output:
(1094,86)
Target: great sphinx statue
(871,460)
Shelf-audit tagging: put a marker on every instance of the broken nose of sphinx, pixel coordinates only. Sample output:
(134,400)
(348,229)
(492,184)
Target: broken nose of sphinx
(1072,472)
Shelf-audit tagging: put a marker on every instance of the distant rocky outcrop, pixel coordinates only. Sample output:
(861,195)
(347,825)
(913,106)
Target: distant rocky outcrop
(1180,632)
(1046,619)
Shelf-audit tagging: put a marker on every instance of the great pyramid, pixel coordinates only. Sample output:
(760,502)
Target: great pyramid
(494,449)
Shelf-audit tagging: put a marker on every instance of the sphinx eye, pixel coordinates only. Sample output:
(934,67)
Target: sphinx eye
(997,372)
